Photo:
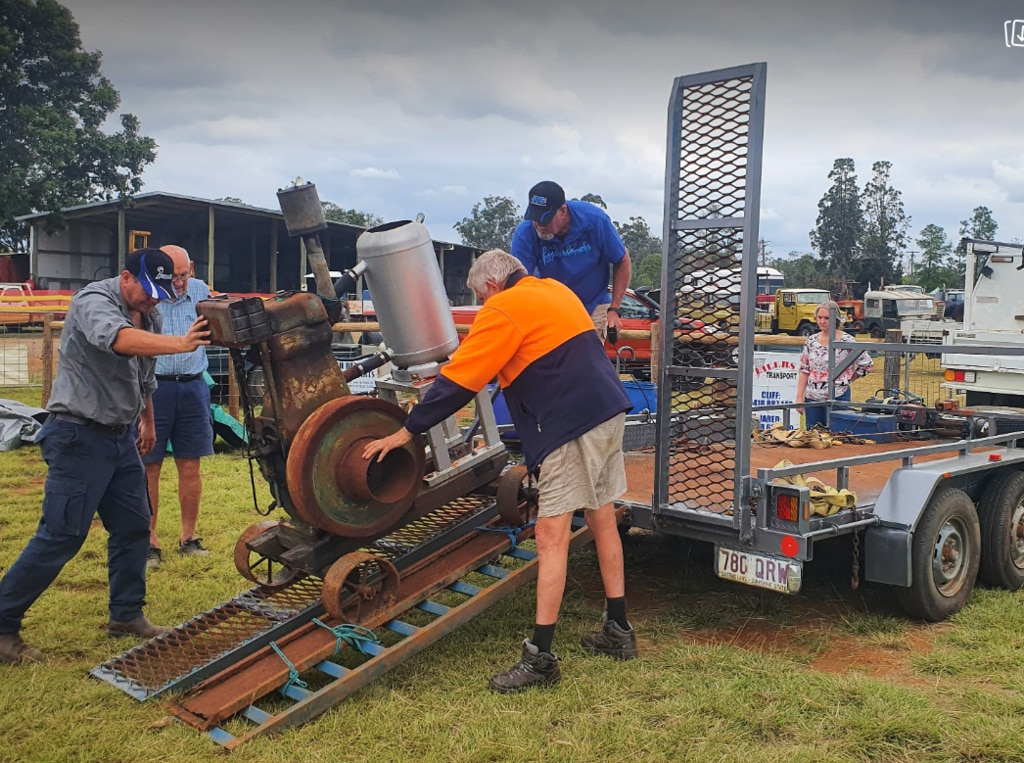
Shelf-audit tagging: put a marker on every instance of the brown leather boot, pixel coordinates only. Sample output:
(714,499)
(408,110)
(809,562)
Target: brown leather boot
(14,650)
(140,626)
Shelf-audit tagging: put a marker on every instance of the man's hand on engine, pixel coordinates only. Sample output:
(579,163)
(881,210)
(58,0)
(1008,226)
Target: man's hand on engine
(385,445)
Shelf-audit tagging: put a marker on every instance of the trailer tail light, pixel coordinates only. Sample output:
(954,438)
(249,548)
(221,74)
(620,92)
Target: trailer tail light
(787,506)
(968,377)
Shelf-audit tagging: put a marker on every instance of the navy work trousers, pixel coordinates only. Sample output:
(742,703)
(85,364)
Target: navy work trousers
(90,471)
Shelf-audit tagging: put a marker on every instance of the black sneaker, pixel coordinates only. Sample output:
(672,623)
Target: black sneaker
(192,547)
(612,640)
(153,558)
(535,668)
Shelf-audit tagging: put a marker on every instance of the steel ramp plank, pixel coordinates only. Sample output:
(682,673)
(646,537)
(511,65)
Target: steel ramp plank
(221,737)
(403,628)
(332,669)
(492,571)
(256,715)
(522,553)
(432,607)
(464,588)
(323,699)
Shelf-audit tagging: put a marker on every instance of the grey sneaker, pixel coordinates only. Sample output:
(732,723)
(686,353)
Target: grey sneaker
(14,650)
(153,558)
(613,641)
(535,668)
(192,547)
(140,626)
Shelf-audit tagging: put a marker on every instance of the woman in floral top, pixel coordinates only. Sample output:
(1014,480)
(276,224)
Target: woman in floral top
(812,380)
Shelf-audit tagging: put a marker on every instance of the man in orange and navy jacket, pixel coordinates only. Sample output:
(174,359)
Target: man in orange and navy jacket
(568,407)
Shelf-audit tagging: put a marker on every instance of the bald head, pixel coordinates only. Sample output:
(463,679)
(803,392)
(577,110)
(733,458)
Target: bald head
(182,266)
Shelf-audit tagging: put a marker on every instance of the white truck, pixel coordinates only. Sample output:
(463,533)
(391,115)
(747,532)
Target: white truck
(993,317)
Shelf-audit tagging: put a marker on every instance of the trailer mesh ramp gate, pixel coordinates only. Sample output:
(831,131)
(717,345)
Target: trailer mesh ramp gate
(709,271)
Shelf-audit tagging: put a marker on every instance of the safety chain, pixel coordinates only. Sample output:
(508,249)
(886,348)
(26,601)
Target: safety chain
(855,571)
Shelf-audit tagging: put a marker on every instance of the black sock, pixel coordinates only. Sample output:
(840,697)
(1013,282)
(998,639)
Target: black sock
(617,612)
(543,636)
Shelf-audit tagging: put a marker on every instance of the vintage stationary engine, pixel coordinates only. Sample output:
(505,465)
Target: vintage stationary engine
(307,432)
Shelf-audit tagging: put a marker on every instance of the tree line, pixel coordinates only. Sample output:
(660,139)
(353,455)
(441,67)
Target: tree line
(860,237)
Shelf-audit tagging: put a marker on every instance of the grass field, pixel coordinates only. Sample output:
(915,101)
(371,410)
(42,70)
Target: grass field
(726,672)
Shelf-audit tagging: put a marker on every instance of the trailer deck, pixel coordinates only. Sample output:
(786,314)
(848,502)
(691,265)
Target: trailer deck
(866,481)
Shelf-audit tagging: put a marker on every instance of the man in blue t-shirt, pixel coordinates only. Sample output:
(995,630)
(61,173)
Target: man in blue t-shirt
(574,242)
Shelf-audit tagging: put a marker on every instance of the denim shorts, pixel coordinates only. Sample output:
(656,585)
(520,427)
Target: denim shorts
(181,411)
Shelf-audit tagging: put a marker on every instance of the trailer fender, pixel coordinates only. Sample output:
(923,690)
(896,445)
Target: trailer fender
(902,503)
(887,555)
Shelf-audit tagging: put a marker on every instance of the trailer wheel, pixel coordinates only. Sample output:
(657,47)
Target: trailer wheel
(1002,531)
(944,557)
(876,332)
(806,329)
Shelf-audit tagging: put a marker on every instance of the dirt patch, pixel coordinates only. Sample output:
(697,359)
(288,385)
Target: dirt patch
(29,487)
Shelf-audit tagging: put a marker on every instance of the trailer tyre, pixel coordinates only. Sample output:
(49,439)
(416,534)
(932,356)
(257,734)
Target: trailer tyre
(944,557)
(1002,531)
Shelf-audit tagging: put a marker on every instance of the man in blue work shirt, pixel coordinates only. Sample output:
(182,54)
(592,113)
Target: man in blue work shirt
(575,242)
(102,389)
(181,412)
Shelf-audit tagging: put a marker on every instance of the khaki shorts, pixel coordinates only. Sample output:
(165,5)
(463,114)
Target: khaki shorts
(585,473)
(600,319)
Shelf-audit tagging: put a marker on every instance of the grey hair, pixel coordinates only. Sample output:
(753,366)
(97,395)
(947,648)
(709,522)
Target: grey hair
(495,266)
(830,306)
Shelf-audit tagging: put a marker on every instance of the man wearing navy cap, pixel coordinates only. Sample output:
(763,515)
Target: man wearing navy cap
(104,382)
(575,242)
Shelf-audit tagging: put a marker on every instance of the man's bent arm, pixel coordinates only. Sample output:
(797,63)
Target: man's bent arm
(132,341)
(622,272)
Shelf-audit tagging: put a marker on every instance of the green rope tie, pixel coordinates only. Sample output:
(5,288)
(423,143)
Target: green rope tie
(355,636)
(293,673)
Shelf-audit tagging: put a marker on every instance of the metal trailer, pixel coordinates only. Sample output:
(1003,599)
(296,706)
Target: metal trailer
(928,520)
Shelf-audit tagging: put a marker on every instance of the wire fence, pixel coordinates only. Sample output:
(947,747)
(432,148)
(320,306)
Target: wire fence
(28,361)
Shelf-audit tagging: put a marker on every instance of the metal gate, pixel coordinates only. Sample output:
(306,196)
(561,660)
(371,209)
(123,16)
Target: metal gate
(709,272)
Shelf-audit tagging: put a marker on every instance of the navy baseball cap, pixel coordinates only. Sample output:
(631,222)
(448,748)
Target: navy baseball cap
(155,271)
(546,198)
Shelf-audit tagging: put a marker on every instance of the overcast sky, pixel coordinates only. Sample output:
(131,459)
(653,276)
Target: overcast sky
(402,106)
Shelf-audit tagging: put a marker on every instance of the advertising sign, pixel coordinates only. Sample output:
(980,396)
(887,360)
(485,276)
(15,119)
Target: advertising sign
(774,384)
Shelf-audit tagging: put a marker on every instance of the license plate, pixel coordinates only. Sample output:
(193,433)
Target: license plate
(782,575)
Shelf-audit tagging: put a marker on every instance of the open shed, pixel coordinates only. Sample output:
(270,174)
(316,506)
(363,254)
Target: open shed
(235,247)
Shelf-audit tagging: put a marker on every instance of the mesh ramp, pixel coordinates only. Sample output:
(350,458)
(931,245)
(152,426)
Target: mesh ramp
(220,637)
(712,196)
